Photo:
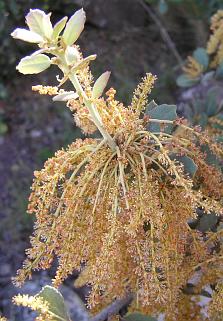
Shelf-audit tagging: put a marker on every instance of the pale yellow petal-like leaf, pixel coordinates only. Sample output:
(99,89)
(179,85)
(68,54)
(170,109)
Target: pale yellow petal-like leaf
(100,84)
(59,27)
(74,27)
(26,35)
(68,95)
(40,23)
(33,64)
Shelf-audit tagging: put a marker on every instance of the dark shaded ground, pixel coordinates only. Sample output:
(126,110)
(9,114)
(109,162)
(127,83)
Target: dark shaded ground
(128,43)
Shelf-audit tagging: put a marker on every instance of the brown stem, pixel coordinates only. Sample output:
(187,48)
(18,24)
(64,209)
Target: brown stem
(165,35)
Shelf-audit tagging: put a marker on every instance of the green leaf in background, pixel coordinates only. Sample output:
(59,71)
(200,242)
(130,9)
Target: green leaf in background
(219,117)
(3,128)
(136,316)
(202,120)
(33,64)
(55,301)
(152,104)
(211,103)
(162,112)
(219,71)
(3,91)
(162,7)
(219,139)
(184,81)
(189,166)
(210,158)
(207,222)
(201,55)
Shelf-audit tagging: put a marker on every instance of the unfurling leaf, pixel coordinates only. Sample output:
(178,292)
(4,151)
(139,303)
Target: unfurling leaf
(72,55)
(40,23)
(26,35)
(56,302)
(185,81)
(74,27)
(33,64)
(59,27)
(66,96)
(100,84)
(162,112)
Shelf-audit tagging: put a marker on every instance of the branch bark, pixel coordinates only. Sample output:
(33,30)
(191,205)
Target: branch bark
(113,308)
(165,35)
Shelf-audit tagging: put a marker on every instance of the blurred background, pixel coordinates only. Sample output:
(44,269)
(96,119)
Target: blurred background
(130,38)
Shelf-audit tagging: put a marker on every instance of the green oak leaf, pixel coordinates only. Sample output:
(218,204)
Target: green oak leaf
(162,112)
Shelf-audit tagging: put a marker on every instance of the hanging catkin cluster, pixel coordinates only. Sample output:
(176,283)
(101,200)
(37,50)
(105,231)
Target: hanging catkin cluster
(197,64)
(117,208)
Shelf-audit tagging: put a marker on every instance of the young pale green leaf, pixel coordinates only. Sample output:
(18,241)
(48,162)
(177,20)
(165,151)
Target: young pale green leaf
(55,301)
(83,63)
(59,27)
(136,316)
(26,35)
(74,27)
(201,55)
(189,165)
(39,22)
(162,112)
(68,95)
(184,81)
(33,64)
(72,55)
(100,84)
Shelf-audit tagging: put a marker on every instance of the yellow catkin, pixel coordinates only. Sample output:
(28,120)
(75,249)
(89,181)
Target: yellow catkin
(215,42)
(216,305)
(45,90)
(36,304)
(140,95)
(192,68)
